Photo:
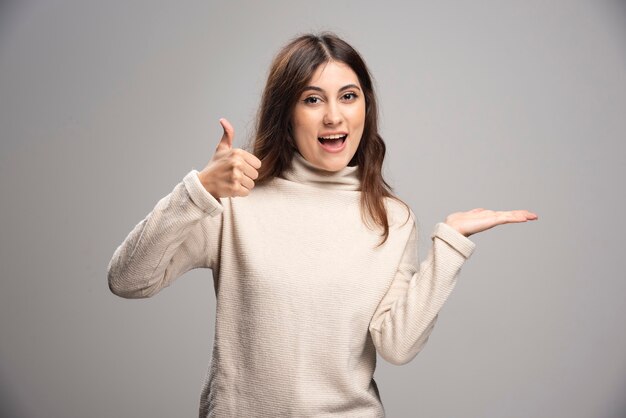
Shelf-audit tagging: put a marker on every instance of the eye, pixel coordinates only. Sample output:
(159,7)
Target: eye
(349,96)
(312,100)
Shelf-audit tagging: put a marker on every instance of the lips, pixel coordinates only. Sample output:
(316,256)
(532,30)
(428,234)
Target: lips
(333,144)
(332,138)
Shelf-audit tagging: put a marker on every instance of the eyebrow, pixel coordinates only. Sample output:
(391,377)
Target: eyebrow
(346,87)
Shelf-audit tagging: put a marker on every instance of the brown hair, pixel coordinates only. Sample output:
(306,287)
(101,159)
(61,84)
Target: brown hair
(273,144)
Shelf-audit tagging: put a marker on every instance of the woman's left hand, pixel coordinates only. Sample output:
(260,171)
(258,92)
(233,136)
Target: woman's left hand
(479,219)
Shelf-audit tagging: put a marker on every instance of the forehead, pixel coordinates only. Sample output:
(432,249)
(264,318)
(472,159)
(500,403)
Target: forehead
(334,74)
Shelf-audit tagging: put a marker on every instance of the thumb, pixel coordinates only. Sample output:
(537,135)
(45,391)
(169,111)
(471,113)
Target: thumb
(227,138)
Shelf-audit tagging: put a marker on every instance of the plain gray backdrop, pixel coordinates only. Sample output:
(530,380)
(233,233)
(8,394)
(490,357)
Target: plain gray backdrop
(105,106)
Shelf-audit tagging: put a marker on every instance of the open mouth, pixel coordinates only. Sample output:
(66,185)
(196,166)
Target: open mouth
(333,140)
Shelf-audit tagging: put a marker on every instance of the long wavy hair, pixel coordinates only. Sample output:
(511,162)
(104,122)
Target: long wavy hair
(273,144)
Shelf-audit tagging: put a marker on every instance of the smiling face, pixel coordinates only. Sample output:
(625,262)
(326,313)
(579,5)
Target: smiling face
(329,117)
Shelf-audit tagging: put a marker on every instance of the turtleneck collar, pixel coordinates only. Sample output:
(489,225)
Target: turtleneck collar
(302,171)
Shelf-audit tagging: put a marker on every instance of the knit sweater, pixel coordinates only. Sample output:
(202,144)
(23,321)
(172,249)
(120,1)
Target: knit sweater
(304,299)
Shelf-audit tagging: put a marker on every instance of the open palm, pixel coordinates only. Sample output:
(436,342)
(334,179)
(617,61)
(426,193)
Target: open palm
(480,219)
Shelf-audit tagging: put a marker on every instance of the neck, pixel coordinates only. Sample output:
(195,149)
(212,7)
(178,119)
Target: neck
(302,171)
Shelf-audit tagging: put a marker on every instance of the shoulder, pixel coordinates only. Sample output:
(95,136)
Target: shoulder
(399,214)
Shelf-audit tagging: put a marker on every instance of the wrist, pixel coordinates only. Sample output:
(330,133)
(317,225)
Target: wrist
(206,183)
(456,228)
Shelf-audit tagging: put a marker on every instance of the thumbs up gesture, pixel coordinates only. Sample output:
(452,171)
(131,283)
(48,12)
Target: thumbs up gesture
(231,171)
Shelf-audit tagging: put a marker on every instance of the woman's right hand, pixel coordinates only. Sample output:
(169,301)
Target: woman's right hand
(231,171)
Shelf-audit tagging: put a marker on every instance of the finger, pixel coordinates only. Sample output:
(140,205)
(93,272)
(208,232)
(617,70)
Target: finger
(249,171)
(247,182)
(531,215)
(477,210)
(512,216)
(252,159)
(245,186)
(524,215)
(227,137)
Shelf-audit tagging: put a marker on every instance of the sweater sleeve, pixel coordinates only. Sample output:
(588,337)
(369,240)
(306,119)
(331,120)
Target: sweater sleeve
(179,234)
(406,315)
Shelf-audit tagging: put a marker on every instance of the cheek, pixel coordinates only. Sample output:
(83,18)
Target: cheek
(358,117)
(303,122)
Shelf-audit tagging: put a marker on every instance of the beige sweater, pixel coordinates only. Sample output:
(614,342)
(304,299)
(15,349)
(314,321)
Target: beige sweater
(304,301)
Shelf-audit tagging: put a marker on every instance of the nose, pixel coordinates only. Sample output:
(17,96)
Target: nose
(332,115)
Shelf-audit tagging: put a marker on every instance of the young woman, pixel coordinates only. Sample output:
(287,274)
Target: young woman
(314,260)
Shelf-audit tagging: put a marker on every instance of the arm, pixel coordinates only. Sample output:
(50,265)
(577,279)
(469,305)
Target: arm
(407,313)
(180,234)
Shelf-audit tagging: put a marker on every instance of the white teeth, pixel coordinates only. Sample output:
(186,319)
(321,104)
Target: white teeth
(332,136)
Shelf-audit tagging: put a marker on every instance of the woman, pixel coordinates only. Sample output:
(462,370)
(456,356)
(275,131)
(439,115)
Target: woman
(316,269)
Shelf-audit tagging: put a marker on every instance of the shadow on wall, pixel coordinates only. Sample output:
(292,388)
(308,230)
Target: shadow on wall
(8,405)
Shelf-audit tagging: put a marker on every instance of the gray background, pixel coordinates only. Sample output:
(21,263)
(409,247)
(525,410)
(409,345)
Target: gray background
(105,106)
